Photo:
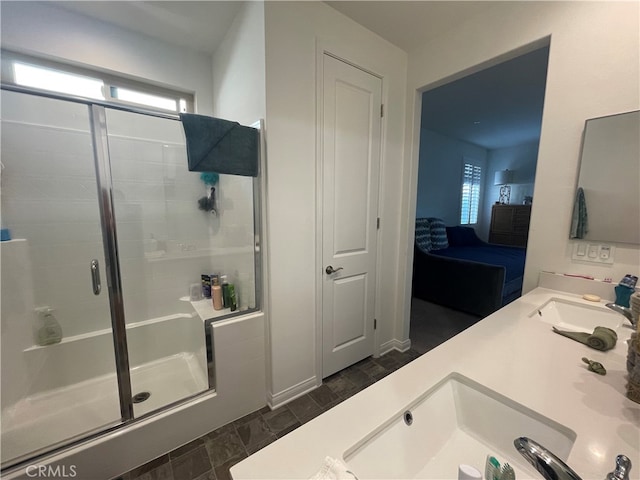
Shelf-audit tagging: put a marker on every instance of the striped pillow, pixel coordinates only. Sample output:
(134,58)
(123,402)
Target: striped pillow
(423,234)
(438,234)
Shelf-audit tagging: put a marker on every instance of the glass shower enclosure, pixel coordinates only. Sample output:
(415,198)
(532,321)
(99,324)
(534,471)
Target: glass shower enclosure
(103,254)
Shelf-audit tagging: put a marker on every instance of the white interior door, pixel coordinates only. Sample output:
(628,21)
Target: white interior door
(351,106)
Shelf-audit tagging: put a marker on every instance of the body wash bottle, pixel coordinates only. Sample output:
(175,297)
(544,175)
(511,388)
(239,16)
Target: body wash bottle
(233,300)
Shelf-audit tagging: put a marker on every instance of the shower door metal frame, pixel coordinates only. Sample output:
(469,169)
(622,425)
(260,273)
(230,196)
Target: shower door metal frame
(98,121)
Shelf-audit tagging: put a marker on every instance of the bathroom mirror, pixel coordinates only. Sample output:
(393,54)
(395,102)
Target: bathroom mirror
(610,181)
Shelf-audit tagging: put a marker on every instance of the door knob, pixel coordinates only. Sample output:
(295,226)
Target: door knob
(331,270)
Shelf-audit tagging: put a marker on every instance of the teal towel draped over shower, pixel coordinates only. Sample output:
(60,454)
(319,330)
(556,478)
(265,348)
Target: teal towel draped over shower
(221,146)
(579,219)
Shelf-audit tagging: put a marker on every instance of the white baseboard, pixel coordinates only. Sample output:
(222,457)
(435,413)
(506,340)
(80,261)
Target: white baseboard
(394,344)
(275,400)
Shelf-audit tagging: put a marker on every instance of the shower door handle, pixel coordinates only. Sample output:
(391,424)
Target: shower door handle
(95,277)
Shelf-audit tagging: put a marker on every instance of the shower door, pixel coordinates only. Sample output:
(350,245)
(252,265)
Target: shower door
(101,320)
(163,241)
(53,273)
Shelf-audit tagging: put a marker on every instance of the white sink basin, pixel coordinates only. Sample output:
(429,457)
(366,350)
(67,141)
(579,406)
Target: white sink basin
(457,421)
(578,317)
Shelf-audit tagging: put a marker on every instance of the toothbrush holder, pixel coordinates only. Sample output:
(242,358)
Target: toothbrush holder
(623,295)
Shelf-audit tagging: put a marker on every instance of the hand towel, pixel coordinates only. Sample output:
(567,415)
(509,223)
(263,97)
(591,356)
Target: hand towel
(221,146)
(602,338)
(333,469)
(579,218)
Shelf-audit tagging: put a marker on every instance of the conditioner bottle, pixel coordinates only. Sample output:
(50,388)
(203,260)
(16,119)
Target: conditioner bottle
(216,294)
(226,302)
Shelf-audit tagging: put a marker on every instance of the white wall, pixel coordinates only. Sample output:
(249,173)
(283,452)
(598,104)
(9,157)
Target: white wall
(50,199)
(43,29)
(441,160)
(292,32)
(239,68)
(521,160)
(593,71)
(239,95)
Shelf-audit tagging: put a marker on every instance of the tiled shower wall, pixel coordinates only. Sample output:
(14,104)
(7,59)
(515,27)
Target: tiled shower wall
(49,197)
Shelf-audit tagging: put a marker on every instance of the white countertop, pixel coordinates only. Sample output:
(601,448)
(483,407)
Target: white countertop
(508,352)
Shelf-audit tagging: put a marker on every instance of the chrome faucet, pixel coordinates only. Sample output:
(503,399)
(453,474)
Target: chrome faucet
(623,465)
(545,462)
(552,468)
(625,311)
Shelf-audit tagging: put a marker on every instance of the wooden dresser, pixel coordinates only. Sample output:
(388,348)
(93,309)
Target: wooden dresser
(510,225)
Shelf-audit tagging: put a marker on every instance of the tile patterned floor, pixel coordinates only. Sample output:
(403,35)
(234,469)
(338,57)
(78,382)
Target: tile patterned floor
(210,457)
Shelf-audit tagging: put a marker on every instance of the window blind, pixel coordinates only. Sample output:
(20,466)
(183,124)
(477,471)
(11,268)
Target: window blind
(470,198)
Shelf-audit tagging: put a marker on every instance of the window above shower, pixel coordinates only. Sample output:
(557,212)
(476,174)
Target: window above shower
(36,73)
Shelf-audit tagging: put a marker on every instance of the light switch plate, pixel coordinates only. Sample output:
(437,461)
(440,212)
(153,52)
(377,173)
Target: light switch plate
(593,252)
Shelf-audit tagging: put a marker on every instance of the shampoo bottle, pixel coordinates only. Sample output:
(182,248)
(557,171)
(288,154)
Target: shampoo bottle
(216,294)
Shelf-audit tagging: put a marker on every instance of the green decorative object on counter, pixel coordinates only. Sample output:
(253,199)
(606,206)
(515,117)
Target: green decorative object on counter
(595,367)
(602,338)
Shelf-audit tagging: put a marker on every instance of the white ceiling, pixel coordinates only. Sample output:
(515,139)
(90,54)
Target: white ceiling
(495,108)
(198,25)
(498,107)
(411,24)
(507,103)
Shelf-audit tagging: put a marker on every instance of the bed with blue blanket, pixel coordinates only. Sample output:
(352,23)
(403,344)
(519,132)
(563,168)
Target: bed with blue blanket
(454,268)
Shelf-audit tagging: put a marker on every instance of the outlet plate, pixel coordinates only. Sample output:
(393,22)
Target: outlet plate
(593,252)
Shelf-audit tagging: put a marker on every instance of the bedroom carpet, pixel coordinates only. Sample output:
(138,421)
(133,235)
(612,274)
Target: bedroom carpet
(433,324)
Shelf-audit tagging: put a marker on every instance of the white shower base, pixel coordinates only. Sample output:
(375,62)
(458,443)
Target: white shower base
(55,415)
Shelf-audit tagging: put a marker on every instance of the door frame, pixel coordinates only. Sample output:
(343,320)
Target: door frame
(322,48)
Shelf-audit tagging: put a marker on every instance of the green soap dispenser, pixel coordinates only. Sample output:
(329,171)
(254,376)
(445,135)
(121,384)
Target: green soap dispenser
(50,331)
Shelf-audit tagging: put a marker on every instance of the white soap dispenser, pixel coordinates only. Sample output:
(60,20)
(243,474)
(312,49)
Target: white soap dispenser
(50,331)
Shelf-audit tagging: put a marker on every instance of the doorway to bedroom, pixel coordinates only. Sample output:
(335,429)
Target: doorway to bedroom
(478,152)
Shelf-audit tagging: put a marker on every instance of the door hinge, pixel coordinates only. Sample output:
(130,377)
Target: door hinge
(382,110)
(375,323)
(378,223)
